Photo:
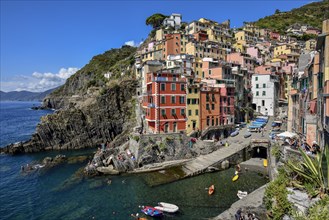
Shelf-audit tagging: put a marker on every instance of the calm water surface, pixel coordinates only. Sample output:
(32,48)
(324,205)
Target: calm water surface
(56,194)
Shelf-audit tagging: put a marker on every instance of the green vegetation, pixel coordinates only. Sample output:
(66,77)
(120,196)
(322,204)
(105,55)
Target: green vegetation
(310,171)
(162,146)
(276,152)
(306,174)
(318,211)
(116,61)
(275,198)
(155,20)
(312,14)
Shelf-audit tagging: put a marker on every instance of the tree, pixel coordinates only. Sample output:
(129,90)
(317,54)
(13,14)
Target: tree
(277,11)
(155,20)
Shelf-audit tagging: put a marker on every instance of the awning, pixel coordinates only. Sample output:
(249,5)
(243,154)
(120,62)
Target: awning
(287,134)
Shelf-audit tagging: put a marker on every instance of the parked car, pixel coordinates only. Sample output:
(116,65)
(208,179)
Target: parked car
(247,134)
(234,133)
(241,125)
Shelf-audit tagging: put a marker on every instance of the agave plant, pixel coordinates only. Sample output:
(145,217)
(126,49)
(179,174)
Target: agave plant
(311,170)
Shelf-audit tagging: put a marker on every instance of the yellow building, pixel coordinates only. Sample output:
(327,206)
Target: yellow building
(245,37)
(287,49)
(239,47)
(193,110)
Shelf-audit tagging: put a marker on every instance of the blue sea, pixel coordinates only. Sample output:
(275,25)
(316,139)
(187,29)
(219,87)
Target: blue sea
(59,193)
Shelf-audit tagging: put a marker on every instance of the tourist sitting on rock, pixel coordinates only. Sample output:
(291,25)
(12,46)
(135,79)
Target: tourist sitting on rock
(238,215)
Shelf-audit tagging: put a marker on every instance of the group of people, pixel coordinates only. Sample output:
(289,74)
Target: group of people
(28,167)
(239,215)
(314,149)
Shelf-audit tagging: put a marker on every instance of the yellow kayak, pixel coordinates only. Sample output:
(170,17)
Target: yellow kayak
(235,178)
(265,163)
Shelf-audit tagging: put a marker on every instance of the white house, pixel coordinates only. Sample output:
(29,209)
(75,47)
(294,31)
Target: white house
(174,21)
(181,61)
(265,93)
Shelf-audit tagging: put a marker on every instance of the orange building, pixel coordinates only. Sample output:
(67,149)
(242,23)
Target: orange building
(216,104)
(164,103)
(172,45)
(201,36)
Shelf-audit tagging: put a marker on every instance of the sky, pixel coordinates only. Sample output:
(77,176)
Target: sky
(45,42)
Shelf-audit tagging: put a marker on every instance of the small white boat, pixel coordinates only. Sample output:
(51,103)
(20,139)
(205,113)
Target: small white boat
(167,207)
(241,194)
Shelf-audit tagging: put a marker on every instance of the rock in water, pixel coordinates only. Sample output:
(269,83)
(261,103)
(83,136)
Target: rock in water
(108,170)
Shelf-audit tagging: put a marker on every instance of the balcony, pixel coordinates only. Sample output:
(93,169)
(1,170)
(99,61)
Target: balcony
(166,79)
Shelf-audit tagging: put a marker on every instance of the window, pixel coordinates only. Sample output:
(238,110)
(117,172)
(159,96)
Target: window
(257,86)
(263,102)
(257,93)
(256,78)
(189,112)
(264,93)
(173,112)
(174,78)
(213,97)
(163,99)
(189,90)
(264,85)
(212,106)
(173,87)
(216,121)
(208,120)
(195,90)
(163,87)
(173,99)
(212,121)
(196,112)
(209,72)
(182,87)
(207,106)
(181,100)
(182,111)
(202,74)
(188,101)
(163,112)
(207,97)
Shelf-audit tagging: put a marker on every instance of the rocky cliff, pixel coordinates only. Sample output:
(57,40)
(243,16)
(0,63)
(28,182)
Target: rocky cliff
(90,109)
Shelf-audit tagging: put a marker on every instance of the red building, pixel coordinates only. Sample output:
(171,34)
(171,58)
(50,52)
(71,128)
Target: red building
(164,103)
(216,104)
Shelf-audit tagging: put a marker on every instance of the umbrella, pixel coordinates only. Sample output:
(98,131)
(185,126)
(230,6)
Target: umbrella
(287,134)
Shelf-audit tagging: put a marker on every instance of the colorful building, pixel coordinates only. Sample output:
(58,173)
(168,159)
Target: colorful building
(193,108)
(164,103)
(216,103)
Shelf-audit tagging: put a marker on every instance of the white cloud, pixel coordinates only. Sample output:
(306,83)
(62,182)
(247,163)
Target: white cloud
(132,43)
(38,82)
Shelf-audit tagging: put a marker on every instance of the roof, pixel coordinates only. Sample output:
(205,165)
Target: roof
(304,61)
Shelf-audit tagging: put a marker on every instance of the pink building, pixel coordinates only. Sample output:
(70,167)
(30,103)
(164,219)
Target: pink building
(254,52)
(243,59)
(215,69)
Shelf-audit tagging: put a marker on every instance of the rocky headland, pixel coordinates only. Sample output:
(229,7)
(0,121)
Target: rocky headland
(89,108)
